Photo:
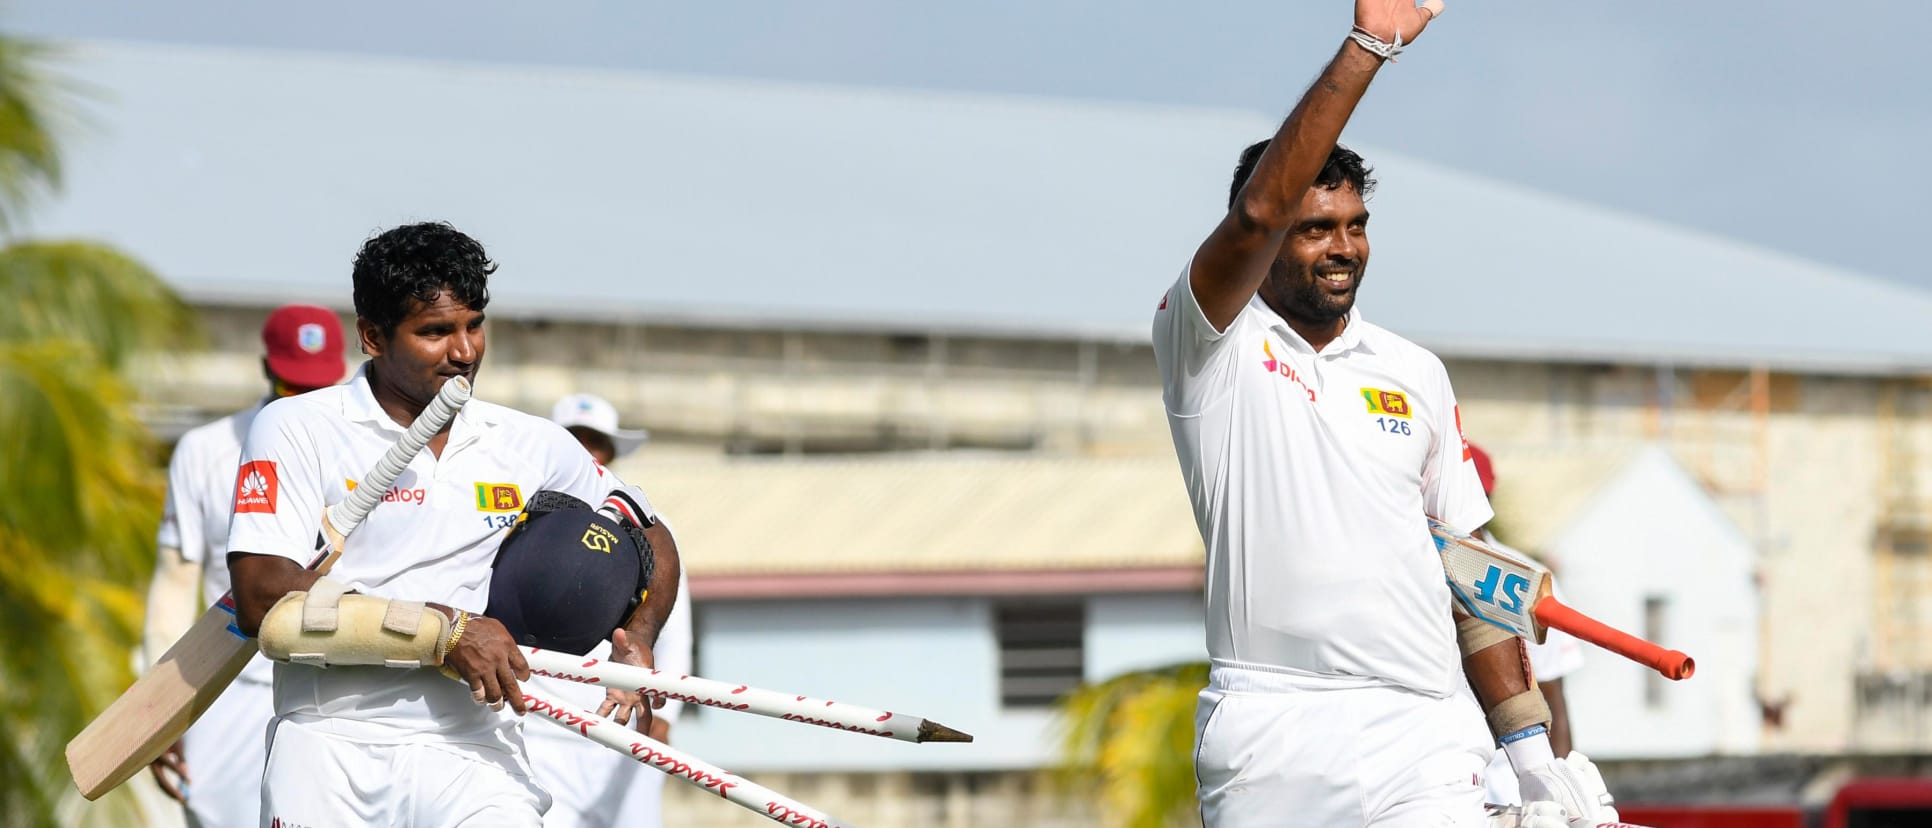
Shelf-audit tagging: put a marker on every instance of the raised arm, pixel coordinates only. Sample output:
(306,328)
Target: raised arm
(1230,265)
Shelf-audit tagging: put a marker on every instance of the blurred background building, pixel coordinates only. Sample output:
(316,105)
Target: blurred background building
(891,349)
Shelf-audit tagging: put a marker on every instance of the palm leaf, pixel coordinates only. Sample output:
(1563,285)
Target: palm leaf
(76,537)
(90,293)
(81,480)
(1129,740)
(29,153)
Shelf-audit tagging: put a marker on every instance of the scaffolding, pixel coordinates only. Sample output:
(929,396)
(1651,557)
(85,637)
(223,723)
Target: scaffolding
(1902,570)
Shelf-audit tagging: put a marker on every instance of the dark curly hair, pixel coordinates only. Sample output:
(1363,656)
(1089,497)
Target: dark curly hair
(416,262)
(1344,165)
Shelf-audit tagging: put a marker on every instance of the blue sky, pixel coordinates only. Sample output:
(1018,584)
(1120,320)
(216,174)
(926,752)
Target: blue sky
(1803,127)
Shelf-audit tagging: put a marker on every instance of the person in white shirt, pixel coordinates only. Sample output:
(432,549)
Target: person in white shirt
(1559,656)
(595,788)
(373,739)
(215,771)
(1314,445)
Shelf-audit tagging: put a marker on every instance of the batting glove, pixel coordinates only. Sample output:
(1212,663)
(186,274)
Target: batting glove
(1533,815)
(1573,783)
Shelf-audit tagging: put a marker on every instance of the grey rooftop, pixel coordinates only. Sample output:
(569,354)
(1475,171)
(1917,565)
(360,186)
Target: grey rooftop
(252,176)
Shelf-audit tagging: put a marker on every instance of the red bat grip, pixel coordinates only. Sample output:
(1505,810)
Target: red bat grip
(1674,664)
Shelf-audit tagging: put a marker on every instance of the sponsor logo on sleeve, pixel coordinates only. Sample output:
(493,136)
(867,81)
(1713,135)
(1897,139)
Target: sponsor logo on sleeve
(1386,403)
(498,497)
(256,487)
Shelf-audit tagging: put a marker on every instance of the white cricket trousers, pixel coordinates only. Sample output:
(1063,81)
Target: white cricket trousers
(315,779)
(224,751)
(1281,749)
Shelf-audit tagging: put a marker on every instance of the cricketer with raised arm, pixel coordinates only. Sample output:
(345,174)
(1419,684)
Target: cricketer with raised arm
(1314,445)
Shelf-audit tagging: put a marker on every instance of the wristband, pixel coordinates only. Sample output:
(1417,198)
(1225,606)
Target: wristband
(1375,45)
(1528,748)
(1525,733)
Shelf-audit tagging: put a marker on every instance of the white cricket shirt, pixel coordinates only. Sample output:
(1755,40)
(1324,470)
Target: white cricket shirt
(1311,475)
(432,538)
(194,515)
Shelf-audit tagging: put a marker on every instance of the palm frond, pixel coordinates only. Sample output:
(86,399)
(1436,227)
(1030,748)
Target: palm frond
(29,152)
(76,540)
(1129,740)
(89,490)
(81,482)
(92,294)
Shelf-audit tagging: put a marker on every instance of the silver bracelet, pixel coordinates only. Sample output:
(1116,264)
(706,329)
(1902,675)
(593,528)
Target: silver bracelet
(1375,45)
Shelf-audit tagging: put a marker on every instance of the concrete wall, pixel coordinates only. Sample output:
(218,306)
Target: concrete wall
(931,657)
(1651,534)
(1141,632)
(927,657)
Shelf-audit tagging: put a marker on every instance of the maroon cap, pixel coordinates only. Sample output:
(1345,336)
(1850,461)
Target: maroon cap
(1483,470)
(304,345)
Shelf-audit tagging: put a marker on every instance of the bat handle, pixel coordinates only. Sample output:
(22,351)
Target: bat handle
(1673,664)
(441,409)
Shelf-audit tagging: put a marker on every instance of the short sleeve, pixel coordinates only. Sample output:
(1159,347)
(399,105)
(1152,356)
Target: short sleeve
(278,489)
(570,468)
(1192,355)
(1450,487)
(180,519)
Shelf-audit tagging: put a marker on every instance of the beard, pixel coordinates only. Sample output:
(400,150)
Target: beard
(1301,295)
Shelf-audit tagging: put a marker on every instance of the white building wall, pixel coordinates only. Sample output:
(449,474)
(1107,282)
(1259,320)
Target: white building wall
(931,657)
(1141,632)
(1652,532)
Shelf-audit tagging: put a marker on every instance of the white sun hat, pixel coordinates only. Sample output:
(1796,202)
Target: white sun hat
(596,413)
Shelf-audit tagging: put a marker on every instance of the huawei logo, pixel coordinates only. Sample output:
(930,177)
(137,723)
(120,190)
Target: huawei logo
(256,487)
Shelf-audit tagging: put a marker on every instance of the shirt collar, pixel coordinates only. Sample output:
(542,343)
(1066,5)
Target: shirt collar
(360,406)
(1352,336)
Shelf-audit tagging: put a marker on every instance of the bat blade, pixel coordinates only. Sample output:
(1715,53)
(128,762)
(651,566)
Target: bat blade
(1513,592)
(156,710)
(1492,584)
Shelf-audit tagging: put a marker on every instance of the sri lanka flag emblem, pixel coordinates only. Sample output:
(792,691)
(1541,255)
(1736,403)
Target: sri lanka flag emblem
(1386,403)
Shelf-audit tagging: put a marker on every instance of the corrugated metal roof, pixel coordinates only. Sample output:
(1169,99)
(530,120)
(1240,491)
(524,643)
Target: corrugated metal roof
(252,176)
(932,513)
(963,512)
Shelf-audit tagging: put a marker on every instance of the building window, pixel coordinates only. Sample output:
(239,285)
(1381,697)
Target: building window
(1042,651)
(1656,610)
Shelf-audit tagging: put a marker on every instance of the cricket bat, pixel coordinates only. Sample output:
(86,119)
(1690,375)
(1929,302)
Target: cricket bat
(160,706)
(1513,592)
